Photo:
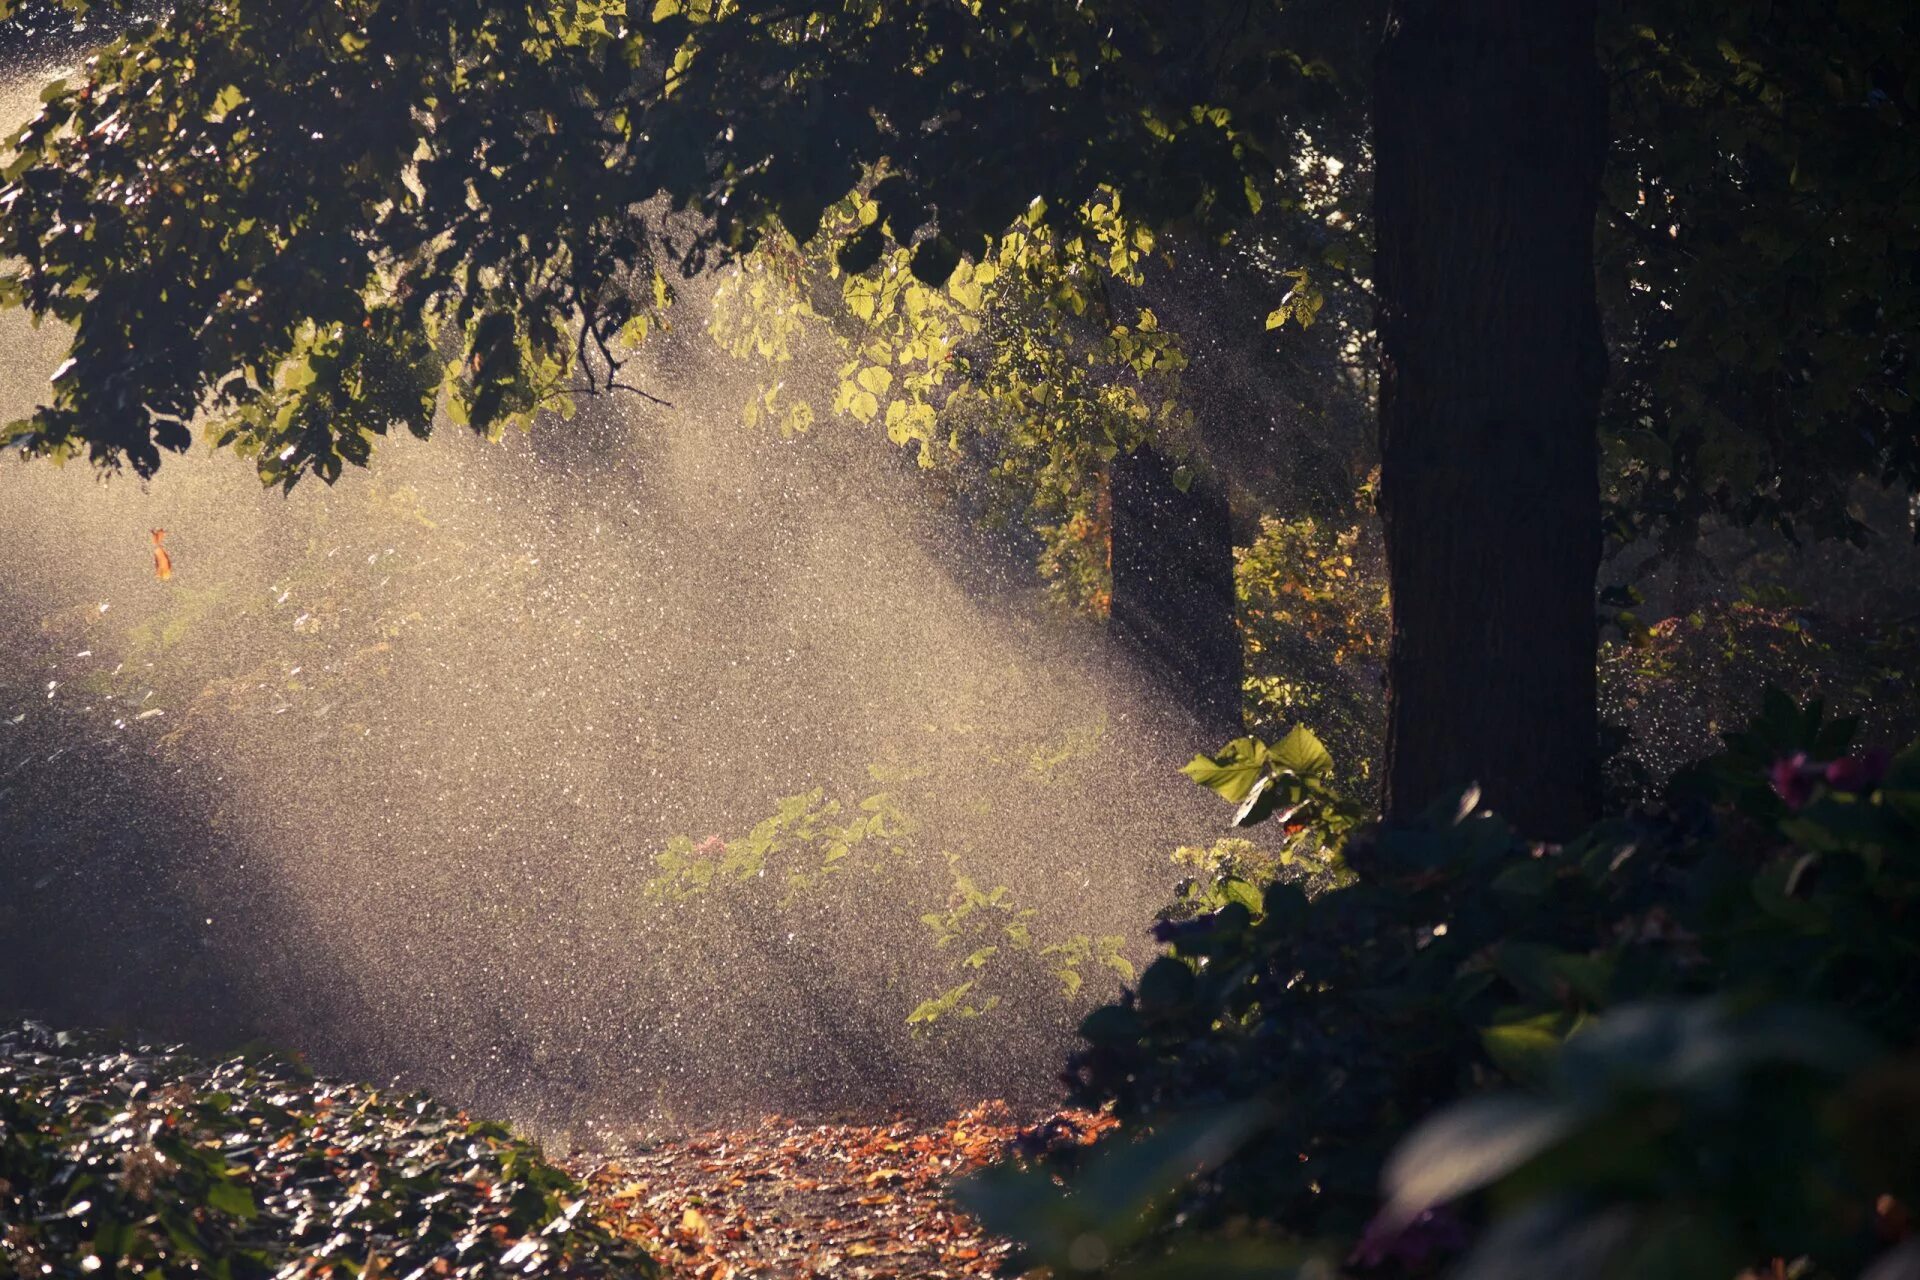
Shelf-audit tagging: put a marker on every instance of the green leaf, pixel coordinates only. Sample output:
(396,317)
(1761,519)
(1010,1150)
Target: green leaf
(1301,753)
(930,1011)
(231,1198)
(1524,1050)
(1243,892)
(1233,773)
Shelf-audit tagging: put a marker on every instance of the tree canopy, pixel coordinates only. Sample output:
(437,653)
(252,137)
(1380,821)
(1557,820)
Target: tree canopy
(296,227)
(311,221)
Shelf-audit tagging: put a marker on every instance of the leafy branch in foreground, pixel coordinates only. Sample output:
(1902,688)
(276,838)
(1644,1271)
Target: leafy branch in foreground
(1679,1045)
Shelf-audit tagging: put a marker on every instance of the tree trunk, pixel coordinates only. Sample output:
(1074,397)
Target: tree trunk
(1173,597)
(1489,136)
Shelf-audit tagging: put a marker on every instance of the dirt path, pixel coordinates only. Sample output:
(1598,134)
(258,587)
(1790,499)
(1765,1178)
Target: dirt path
(782,1199)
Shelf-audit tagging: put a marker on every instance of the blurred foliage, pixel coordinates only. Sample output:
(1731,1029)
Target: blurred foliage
(825,867)
(1681,1139)
(1671,687)
(147,1162)
(1715,996)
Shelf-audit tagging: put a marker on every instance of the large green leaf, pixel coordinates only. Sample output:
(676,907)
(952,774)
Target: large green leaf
(1233,772)
(1300,752)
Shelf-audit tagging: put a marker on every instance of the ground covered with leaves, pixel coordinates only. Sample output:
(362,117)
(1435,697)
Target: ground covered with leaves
(786,1199)
(148,1161)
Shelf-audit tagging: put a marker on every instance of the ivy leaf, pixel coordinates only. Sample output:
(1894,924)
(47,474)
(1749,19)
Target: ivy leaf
(231,1198)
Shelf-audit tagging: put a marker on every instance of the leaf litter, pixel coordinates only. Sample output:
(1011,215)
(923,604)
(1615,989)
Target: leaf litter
(782,1198)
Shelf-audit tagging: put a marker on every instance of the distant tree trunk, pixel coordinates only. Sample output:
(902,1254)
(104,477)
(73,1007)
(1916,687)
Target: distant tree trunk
(1489,136)
(1173,597)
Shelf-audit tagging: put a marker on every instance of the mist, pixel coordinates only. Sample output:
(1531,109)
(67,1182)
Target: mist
(384,773)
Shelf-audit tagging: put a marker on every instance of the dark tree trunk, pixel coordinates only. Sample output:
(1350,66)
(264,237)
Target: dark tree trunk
(1173,598)
(1489,135)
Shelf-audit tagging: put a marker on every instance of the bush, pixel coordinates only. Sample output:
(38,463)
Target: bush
(150,1162)
(1314,618)
(1704,1003)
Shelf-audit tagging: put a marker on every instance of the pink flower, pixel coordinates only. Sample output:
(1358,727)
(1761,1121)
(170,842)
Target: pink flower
(1429,1235)
(1793,778)
(1859,773)
(712,847)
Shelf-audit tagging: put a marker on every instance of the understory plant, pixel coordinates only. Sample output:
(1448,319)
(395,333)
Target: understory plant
(1683,1044)
(1314,623)
(823,868)
(144,1161)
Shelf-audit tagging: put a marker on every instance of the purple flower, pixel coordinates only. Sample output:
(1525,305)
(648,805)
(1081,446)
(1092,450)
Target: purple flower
(1859,773)
(1430,1234)
(1793,778)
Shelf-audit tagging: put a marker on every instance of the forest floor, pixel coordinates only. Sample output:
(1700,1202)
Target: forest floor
(782,1199)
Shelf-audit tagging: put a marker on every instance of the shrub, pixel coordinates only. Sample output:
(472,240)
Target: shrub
(1314,619)
(1648,976)
(148,1161)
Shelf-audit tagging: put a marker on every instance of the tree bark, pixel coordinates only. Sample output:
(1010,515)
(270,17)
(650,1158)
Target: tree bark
(1489,136)
(1173,597)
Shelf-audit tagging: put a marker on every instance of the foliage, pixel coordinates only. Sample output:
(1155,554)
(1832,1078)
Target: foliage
(836,868)
(984,924)
(801,842)
(1234,870)
(317,229)
(1758,251)
(1118,1198)
(1017,379)
(1315,621)
(1458,959)
(1289,782)
(1672,686)
(1680,1139)
(127,1161)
